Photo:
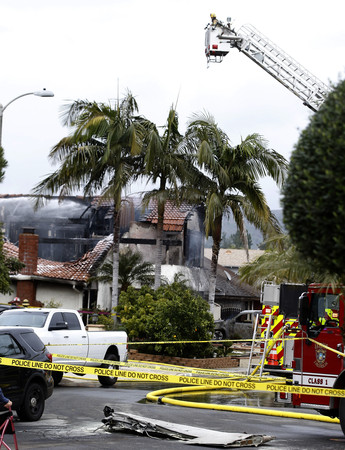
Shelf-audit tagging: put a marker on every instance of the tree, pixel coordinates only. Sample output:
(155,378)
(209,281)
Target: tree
(98,157)
(282,263)
(8,265)
(3,164)
(235,240)
(132,269)
(229,183)
(170,313)
(165,164)
(314,194)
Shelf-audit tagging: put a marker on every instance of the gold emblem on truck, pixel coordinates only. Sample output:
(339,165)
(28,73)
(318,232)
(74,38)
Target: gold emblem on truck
(320,354)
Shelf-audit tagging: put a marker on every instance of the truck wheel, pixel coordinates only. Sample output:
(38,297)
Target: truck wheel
(57,377)
(109,381)
(33,404)
(342,414)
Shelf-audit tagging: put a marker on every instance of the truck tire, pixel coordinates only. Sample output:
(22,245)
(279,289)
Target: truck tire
(109,381)
(342,414)
(57,377)
(33,404)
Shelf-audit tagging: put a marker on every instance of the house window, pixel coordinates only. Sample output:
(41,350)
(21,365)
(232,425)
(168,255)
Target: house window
(90,299)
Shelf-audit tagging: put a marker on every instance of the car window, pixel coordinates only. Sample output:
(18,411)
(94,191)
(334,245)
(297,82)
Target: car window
(23,318)
(8,346)
(57,318)
(33,341)
(72,320)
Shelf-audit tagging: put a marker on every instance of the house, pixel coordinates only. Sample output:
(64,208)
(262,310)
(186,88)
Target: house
(67,284)
(70,227)
(183,235)
(46,281)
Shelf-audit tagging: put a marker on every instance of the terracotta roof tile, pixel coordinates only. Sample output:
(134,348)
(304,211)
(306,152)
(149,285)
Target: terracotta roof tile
(174,216)
(79,270)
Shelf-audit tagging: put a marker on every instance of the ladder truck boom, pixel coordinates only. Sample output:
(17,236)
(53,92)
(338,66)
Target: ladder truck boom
(220,38)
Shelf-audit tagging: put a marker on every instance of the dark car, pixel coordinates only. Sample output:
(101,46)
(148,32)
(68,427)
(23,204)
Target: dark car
(26,388)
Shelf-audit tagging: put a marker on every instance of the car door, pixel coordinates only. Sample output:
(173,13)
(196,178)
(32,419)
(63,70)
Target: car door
(11,377)
(72,340)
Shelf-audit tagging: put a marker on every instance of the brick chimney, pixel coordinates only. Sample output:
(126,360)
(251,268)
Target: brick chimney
(28,254)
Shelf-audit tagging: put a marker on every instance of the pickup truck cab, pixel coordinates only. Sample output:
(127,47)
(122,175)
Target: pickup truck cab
(63,332)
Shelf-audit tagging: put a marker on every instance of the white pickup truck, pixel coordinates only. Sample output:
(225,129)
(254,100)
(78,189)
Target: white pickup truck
(63,332)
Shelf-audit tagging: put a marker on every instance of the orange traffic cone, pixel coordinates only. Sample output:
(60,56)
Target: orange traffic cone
(272,359)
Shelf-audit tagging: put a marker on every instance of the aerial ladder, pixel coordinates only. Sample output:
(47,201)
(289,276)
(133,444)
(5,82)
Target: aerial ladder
(220,38)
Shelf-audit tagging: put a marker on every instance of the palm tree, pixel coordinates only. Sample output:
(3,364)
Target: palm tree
(164,163)
(99,157)
(228,182)
(282,263)
(132,269)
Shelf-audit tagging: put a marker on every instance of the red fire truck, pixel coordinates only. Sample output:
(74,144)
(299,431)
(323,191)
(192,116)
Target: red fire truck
(307,330)
(319,355)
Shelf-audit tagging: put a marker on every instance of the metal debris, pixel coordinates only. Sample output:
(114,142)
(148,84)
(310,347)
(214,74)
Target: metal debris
(118,421)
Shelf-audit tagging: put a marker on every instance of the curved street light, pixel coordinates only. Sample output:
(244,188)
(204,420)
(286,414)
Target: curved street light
(42,93)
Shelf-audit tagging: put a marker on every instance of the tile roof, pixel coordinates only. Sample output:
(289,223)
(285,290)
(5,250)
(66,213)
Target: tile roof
(174,216)
(79,270)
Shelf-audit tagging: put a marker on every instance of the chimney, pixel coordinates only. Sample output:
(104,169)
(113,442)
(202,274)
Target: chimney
(28,250)
(28,254)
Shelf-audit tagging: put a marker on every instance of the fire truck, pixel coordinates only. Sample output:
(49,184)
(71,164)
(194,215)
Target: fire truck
(304,337)
(319,349)
(220,38)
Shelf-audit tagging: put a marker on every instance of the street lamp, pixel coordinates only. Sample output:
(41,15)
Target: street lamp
(42,93)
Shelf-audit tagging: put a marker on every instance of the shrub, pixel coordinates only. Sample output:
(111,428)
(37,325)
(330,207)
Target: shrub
(171,313)
(107,321)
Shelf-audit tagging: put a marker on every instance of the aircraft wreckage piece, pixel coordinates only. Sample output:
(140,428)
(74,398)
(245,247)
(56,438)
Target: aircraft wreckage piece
(118,421)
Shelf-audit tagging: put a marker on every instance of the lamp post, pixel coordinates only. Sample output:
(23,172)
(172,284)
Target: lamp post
(43,93)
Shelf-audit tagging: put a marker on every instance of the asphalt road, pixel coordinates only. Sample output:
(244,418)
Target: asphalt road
(73,420)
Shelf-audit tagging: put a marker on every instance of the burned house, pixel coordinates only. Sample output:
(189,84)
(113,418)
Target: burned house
(66,281)
(70,227)
(71,239)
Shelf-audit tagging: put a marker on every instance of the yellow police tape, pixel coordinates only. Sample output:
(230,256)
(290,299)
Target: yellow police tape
(208,341)
(176,379)
(147,364)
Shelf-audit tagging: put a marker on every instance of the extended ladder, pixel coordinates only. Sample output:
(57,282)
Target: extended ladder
(267,55)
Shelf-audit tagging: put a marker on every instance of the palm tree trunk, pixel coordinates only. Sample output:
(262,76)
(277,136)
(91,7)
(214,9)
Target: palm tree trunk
(245,239)
(159,245)
(116,247)
(216,237)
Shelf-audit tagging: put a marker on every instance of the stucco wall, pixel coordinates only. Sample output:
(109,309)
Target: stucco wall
(5,298)
(65,295)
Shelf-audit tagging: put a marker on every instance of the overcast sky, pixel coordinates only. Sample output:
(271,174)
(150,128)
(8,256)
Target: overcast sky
(84,49)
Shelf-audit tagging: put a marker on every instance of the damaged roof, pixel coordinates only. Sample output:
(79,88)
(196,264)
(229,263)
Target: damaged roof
(229,283)
(79,270)
(174,216)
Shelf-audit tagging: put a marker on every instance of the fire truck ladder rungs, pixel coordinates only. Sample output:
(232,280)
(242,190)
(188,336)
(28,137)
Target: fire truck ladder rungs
(282,67)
